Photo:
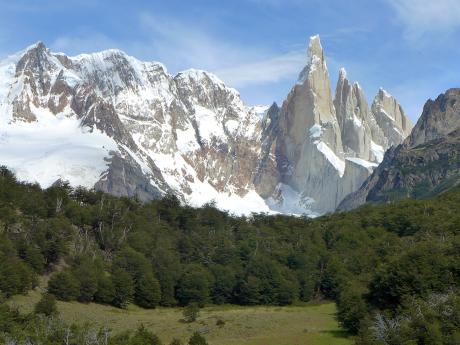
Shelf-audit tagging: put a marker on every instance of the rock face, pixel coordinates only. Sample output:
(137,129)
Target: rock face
(391,118)
(359,129)
(307,145)
(127,127)
(426,164)
(153,133)
(316,150)
(439,118)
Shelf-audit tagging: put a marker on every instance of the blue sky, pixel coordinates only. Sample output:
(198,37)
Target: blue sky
(410,47)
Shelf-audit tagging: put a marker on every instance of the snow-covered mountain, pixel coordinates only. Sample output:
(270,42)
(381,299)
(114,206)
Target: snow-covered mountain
(127,127)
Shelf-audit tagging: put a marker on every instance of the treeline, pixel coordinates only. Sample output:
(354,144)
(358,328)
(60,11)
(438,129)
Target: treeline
(118,251)
(377,263)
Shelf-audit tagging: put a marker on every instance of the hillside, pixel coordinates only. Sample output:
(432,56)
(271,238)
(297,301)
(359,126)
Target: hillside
(378,262)
(426,164)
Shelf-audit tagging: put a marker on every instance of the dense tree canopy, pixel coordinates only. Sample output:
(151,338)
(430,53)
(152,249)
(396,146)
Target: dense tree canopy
(377,262)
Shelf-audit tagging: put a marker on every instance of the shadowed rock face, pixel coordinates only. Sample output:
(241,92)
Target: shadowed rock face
(426,164)
(153,133)
(439,118)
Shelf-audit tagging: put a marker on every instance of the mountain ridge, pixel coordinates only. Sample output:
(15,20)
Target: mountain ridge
(149,133)
(425,164)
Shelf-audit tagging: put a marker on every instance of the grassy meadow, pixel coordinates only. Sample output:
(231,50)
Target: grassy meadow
(312,324)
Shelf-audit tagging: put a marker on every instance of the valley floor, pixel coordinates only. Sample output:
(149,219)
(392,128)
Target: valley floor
(312,324)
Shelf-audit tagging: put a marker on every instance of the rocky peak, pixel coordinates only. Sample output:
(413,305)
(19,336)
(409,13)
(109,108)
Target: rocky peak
(391,117)
(205,88)
(439,118)
(310,101)
(270,115)
(315,60)
(342,95)
(316,150)
(425,165)
(112,71)
(303,147)
(35,59)
(39,75)
(354,117)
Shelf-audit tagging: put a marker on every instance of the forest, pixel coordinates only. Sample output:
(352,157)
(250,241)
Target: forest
(392,269)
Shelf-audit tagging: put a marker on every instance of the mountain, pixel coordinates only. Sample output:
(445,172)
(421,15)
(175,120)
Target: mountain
(316,150)
(127,127)
(425,164)
(109,121)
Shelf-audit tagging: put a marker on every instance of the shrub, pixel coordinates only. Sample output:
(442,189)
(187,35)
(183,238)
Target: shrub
(191,312)
(46,305)
(105,292)
(144,337)
(123,287)
(64,286)
(197,339)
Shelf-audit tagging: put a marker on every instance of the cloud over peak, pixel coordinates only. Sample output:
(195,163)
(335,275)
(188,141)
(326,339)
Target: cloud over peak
(427,17)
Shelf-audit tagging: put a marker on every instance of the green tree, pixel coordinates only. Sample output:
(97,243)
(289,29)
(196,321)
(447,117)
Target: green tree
(423,269)
(194,286)
(8,318)
(351,309)
(34,257)
(287,291)
(46,305)
(15,276)
(64,286)
(147,292)
(224,284)
(144,337)
(86,275)
(268,279)
(168,270)
(105,292)
(249,291)
(197,339)
(123,287)
(191,312)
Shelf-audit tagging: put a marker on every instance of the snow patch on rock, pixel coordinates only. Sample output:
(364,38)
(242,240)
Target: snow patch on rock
(366,164)
(40,151)
(291,202)
(378,151)
(330,155)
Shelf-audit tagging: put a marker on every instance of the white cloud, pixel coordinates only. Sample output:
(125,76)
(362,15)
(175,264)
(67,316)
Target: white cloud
(187,45)
(273,69)
(82,43)
(422,17)
(181,45)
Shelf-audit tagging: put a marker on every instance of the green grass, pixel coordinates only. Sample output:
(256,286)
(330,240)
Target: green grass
(293,325)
